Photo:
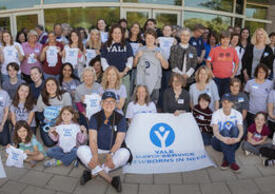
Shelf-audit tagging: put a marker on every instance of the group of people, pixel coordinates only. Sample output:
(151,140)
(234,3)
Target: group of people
(81,90)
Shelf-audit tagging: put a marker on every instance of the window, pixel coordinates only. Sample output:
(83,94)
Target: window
(80,17)
(218,5)
(254,25)
(214,22)
(167,2)
(254,11)
(166,18)
(75,1)
(26,21)
(239,6)
(5,23)
(12,4)
(139,17)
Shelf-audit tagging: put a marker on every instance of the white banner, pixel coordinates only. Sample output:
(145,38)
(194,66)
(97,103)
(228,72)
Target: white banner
(164,143)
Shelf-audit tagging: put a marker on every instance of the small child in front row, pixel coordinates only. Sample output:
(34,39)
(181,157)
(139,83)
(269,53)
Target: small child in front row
(23,138)
(203,116)
(69,135)
(257,135)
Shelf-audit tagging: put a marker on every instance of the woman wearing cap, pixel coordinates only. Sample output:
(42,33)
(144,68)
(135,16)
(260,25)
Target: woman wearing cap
(32,50)
(102,140)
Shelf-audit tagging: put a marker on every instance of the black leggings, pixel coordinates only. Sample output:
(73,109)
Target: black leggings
(268,152)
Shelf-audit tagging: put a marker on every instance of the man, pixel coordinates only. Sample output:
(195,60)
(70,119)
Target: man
(107,130)
(227,126)
(58,30)
(43,36)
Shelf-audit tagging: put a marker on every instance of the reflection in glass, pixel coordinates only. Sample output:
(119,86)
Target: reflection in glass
(239,6)
(75,1)
(12,4)
(139,17)
(166,18)
(80,17)
(238,22)
(166,2)
(214,22)
(26,21)
(5,23)
(254,25)
(254,11)
(219,5)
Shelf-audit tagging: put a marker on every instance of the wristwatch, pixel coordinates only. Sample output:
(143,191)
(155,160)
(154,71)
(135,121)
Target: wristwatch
(111,153)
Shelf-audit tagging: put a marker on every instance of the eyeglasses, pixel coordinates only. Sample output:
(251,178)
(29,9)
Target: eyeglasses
(111,102)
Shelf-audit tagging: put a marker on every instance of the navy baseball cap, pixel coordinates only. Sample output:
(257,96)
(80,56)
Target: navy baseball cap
(227,97)
(108,94)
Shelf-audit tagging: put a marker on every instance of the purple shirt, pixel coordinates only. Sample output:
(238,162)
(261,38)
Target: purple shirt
(26,65)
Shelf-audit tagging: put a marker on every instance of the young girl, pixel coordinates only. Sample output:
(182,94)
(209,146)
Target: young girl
(23,106)
(257,135)
(69,135)
(24,138)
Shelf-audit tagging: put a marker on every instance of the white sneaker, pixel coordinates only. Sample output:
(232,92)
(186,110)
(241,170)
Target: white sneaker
(247,153)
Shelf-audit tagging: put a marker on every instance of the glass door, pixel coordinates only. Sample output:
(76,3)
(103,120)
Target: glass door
(137,15)
(166,17)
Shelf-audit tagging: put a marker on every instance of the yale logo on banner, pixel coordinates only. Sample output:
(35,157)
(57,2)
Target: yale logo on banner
(162,135)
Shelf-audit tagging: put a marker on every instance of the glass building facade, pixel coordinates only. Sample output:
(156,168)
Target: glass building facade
(216,14)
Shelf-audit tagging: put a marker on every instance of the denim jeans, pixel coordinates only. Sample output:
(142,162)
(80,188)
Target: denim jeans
(5,135)
(66,158)
(223,85)
(206,137)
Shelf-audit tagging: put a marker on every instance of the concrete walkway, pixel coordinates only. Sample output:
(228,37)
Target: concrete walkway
(254,178)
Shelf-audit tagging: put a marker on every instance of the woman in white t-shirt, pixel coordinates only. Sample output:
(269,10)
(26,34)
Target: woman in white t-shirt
(141,103)
(9,52)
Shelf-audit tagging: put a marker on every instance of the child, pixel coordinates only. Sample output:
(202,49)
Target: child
(13,82)
(23,107)
(26,141)
(69,134)
(257,135)
(203,116)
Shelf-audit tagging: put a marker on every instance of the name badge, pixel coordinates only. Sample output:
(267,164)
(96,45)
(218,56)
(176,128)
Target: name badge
(191,55)
(115,128)
(194,44)
(241,99)
(36,50)
(255,87)
(180,101)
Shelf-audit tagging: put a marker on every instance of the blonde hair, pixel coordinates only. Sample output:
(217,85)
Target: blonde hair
(205,68)
(105,82)
(88,69)
(254,37)
(32,32)
(93,44)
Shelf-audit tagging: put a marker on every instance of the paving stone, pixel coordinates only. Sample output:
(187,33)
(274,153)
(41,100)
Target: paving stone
(266,184)
(15,173)
(37,190)
(13,187)
(139,178)
(249,172)
(266,171)
(179,189)
(59,170)
(126,189)
(153,189)
(118,172)
(62,183)
(173,178)
(3,181)
(194,177)
(38,167)
(36,178)
(77,172)
(243,187)
(248,160)
(218,175)
(95,186)
(214,188)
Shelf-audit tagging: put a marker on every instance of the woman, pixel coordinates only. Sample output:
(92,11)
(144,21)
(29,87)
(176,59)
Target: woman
(271,111)
(244,38)
(111,81)
(102,27)
(235,42)
(84,91)
(204,84)
(11,52)
(258,90)
(93,45)
(32,50)
(21,37)
(37,82)
(183,58)
(67,80)
(51,57)
(96,64)
(117,52)
(258,52)
(176,99)
(141,103)
(74,53)
(212,42)
(49,104)
(106,136)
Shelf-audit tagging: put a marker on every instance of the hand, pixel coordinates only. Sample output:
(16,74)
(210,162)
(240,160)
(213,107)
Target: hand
(45,49)
(1,128)
(27,152)
(93,162)
(121,74)
(199,60)
(83,99)
(178,112)
(17,48)
(228,141)
(139,54)
(109,162)
(83,129)
(52,130)
(159,56)
(232,76)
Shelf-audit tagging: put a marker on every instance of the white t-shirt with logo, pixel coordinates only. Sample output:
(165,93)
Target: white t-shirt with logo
(134,109)
(67,136)
(16,157)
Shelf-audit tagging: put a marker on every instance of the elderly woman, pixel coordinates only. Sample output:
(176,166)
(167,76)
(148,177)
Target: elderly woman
(88,87)
(32,50)
(258,90)
(176,99)
(204,84)
(257,52)
(51,57)
(107,130)
(183,57)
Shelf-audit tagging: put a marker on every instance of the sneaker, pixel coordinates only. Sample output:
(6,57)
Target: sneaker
(50,163)
(247,153)
(269,162)
(116,183)
(224,165)
(86,176)
(235,167)
(76,163)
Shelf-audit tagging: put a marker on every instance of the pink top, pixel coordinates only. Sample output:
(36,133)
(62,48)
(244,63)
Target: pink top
(26,65)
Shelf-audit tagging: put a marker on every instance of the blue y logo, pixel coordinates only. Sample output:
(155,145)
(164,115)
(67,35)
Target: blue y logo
(162,135)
